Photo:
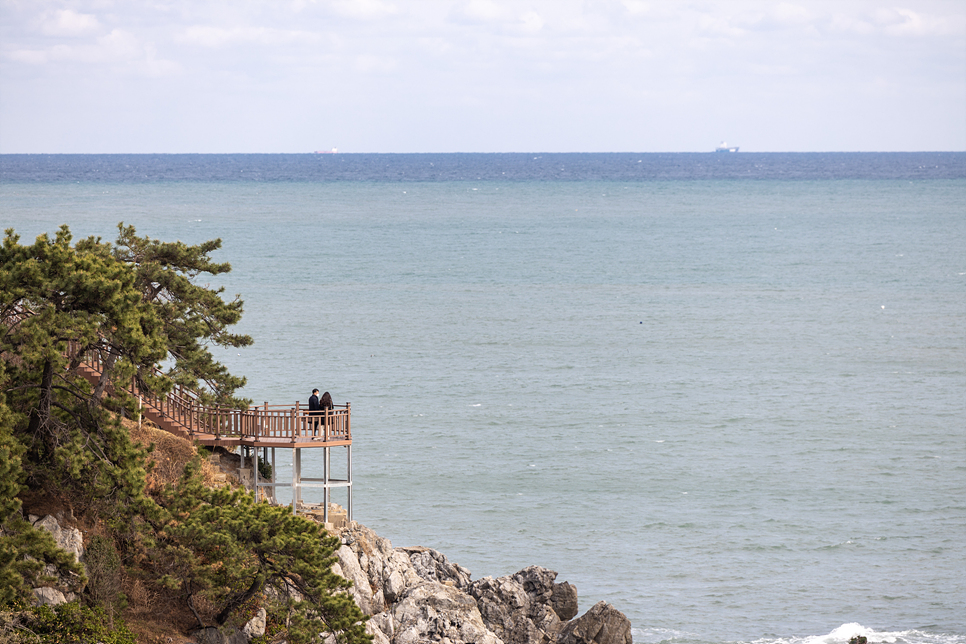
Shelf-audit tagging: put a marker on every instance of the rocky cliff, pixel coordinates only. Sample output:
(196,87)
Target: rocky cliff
(415,595)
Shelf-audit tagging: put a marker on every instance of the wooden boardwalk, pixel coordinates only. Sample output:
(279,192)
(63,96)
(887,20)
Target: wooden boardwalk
(266,427)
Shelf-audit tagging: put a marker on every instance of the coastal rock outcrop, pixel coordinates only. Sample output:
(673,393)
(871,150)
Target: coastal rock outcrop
(602,624)
(439,613)
(518,607)
(432,565)
(417,595)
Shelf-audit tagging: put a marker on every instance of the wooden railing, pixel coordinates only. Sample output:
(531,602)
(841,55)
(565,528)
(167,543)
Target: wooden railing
(264,425)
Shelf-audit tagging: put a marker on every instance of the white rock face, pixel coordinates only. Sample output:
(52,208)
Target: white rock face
(518,607)
(256,625)
(381,628)
(432,565)
(69,539)
(48,597)
(602,624)
(416,595)
(439,613)
(351,570)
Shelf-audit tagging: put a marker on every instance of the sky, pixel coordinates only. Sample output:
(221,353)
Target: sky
(220,76)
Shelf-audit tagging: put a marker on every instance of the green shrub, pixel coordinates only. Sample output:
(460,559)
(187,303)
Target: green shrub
(104,577)
(69,623)
(264,469)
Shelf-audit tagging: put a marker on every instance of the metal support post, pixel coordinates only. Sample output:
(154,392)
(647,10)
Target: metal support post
(325,484)
(296,477)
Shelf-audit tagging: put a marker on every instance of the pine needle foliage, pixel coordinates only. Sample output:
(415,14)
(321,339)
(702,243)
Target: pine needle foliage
(24,549)
(134,306)
(230,550)
(193,316)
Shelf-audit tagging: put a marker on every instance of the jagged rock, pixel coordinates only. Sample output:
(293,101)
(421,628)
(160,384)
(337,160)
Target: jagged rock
(350,569)
(602,624)
(380,626)
(398,576)
(378,637)
(378,602)
(373,553)
(564,601)
(434,612)
(418,595)
(255,626)
(69,539)
(517,608)
(433,565)
(48,597)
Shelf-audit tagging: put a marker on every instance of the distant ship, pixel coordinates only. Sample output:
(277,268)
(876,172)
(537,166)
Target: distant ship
(332,151)
(724,147)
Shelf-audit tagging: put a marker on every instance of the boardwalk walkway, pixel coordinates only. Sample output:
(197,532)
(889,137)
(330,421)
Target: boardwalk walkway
(266,427)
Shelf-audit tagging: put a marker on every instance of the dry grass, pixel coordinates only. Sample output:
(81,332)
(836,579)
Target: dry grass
(153,615)
(171,453)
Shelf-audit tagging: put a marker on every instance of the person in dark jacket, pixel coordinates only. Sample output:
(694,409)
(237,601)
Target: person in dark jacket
(315,409)
(326,406)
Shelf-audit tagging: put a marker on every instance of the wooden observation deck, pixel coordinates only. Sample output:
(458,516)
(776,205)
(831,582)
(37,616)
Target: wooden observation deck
(266,427)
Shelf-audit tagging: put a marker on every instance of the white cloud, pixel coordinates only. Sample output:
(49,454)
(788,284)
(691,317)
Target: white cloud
(637,7)
(717,26)
(436,46)
(117,45)
(119,48)
(897,21)
(216,37)
(531,22)
(363,9)
(905,22)
(790,14)
(65,22)
(29,56)
(482,11)
(511,58)
(372,64)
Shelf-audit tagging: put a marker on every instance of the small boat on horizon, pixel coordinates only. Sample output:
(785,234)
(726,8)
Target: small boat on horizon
(332,151)
(724,147)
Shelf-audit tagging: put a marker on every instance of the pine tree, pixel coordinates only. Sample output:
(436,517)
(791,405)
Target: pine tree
(133,306)
(193,316)
(57,304)
(230,550)
(25,551)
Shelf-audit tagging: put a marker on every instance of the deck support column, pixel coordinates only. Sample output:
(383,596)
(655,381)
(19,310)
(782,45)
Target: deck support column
(348,476)
(325,484)
(296,478)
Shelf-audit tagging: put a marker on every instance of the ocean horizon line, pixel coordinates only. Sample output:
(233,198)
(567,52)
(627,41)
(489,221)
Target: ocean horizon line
(631,167)
(525,152)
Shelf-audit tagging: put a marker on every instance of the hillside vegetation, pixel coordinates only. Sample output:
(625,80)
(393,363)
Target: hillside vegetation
(165,551)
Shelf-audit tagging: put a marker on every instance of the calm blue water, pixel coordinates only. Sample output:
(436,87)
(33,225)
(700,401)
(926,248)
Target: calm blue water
(726,393)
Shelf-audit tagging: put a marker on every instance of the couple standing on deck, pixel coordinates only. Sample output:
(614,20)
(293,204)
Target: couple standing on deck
(318,407)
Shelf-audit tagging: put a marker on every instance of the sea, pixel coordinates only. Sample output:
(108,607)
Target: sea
(725,393)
